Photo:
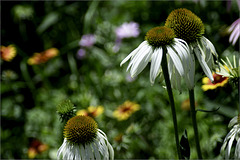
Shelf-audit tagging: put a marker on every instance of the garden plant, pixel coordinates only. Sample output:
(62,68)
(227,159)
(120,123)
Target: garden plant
(120,79)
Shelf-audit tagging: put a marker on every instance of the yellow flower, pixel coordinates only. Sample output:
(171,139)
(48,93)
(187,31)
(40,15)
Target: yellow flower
(8,53)
(43,57)
(91,111)
(219,81)
(125,110)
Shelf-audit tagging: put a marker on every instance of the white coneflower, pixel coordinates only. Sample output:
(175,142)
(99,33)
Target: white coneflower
(83,141)
(234,134)
(189,27)
(159,41)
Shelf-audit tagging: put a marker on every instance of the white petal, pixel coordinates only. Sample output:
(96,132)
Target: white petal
(77,153)
(105,148)
(82,151)
(61,149)
(96,151)
(170,67)
(66,151)
(237,150)
(89,151)
(202,62)
(229,147)
(211,46)
(176,60)
(111,151)
(139,63)
(133,53)
(155,64)
(191,73)
(184,56)
(137,56)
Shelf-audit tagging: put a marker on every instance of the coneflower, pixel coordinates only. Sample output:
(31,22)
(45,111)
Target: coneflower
(159,41)
(83,140)
(189,27)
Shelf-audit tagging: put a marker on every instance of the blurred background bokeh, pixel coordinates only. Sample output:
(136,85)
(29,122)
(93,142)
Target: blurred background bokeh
(58,50)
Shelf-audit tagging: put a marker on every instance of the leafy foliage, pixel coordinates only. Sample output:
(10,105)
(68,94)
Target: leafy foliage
(29,98)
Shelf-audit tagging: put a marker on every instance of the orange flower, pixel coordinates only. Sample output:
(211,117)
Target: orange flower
(91,111)
(43,57)
(186,105)
(219,81)
(125,110)
(36,147)
(8,53)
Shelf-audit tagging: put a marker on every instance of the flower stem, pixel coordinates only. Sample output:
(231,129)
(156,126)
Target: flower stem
(171,100)
(194,121)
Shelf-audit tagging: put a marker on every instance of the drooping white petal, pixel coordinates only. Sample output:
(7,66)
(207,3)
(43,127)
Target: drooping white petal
(170,67)
(77,153)
(111,152)
(227,155)
(237,150)
(183,56)
(96,151)
(155,64)
(176,60)
(82,151)
(191,73)
(138,55)
(133,53)
(233,121)
(206,52)
(89,151)
(61,149)
(102,142)
(141,62)
(211,46)
(71,153)
(202,62)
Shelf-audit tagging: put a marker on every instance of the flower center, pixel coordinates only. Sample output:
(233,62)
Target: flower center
(186,25)
(160,36)
(218,78)
(80,130)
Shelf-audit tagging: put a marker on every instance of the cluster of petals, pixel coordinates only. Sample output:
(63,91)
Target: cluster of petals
(43,57)
(99,149)
(235,31)
(231,136)
(8,52)
(127,30)
(179,59)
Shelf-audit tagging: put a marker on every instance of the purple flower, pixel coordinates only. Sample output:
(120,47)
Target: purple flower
(87,40)
(127,30)
(129,78)
(235,31)
(81,53)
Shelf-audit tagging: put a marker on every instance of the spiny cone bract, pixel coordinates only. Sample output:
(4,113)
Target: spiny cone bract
(66,110)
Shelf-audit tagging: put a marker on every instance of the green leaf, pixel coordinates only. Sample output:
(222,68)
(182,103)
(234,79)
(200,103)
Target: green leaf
(48,21)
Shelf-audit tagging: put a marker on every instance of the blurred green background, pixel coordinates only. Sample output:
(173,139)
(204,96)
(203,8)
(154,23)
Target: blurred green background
(30,94)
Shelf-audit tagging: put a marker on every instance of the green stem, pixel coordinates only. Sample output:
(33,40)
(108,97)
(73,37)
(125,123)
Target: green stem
(170,94)
(194,121)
